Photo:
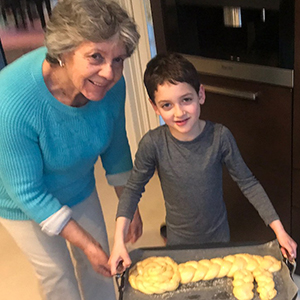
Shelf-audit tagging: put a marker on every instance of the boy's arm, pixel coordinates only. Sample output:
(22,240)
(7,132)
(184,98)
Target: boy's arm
(288,245)
(136,226)
(119,259)
(142,171)
(254,192)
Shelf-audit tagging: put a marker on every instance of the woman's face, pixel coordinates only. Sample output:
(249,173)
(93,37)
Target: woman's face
(93,68)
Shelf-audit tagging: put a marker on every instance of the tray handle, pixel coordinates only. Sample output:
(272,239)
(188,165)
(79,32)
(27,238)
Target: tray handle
(120,280)
(291,265)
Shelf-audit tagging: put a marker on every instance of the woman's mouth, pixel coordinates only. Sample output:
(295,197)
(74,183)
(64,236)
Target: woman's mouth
(96,83)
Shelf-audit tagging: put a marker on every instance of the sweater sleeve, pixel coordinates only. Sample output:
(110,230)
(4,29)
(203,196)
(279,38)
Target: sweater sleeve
(116,159)
(240,173)
(21,165)
(143,170)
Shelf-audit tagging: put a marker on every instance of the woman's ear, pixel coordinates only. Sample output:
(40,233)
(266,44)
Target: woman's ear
(154,106)
(201,95)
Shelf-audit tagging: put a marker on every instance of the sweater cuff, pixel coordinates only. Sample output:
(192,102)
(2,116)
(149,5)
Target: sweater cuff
(119,179)
(56,222)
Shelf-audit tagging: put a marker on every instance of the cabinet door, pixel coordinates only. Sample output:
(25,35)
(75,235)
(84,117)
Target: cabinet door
(259,116)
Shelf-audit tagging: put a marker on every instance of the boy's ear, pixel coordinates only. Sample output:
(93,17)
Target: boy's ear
(201,95)
(154,106)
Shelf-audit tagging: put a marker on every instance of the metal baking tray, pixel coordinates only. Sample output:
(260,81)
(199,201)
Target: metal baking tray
(217,289)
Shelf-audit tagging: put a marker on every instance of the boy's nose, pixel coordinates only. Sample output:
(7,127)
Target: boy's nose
(179,111)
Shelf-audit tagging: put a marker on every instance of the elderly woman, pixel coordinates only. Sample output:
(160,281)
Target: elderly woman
(61,107)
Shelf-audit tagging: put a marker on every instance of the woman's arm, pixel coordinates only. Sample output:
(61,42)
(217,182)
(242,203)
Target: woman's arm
(80,238)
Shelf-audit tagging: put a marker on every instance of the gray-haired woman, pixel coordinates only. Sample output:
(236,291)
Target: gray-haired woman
(62,106)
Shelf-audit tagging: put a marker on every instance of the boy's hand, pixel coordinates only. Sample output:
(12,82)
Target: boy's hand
(135,229)
(119,259)
(288,245)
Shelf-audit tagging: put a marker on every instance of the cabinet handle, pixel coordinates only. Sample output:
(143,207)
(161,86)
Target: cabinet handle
(231,93)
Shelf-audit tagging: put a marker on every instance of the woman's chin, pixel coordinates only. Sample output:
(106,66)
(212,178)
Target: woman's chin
(95,96)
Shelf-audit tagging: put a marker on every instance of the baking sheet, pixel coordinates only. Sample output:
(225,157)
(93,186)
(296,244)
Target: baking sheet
(214,289)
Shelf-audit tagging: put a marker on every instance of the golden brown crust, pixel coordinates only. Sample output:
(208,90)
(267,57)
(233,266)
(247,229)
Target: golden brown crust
(156,275)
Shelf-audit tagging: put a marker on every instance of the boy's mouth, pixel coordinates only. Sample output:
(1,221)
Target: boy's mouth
(181,122)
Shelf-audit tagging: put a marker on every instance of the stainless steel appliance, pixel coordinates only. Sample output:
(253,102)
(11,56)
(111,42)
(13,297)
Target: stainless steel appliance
(244,39)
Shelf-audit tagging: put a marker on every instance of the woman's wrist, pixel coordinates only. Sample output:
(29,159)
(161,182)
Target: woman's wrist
(77,236)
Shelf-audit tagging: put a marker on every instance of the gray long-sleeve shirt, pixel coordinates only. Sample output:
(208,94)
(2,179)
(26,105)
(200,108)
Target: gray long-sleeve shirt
(191,179)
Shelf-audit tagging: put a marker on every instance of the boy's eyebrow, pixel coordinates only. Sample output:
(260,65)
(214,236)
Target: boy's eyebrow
(161,101)
(187,94)
(181,96)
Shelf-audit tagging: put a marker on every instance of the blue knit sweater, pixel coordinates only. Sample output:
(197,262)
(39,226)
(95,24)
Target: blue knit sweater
(47,149)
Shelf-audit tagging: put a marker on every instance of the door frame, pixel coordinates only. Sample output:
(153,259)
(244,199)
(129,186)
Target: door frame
(140,117)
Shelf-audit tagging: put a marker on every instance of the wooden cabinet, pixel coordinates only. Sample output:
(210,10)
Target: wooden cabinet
(263,131)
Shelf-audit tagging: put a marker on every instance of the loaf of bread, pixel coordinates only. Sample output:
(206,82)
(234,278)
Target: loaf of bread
(156,275)
(243,284)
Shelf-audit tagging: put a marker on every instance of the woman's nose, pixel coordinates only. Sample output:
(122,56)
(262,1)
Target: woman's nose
(106,71)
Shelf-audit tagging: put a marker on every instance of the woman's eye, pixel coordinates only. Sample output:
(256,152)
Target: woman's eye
(119,60)
(97,56)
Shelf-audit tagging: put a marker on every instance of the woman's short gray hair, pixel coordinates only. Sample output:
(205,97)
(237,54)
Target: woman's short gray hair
(75,21)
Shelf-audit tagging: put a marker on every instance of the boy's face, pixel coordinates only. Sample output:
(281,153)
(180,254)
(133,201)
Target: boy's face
(179,106)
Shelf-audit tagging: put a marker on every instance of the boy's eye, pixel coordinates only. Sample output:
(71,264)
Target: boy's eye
(187,99)
(166,105)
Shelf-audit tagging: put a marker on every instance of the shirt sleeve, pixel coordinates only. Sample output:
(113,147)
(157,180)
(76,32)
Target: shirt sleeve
(143,170)
(116,160)
(55,223)
(240,173)
(21,167)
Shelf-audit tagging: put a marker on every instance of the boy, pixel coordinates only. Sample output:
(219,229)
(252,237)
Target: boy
(188,154)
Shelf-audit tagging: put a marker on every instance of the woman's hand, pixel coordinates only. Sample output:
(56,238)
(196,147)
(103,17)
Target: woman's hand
(135,228)
(288,245)
(98,259)
(80,238)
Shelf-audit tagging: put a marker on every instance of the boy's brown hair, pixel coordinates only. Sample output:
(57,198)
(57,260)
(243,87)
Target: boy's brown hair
(172,68)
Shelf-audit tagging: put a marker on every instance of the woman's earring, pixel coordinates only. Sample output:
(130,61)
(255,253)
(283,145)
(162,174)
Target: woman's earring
(61,64)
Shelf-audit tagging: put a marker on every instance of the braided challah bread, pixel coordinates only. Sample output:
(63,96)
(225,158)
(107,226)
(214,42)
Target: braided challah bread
(265,283)
(156,275)
(243,284)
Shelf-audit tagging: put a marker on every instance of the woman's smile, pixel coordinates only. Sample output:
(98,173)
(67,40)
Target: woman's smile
(97,83)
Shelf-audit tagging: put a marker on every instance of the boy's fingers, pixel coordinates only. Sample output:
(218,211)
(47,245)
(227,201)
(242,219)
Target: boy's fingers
(120,267)
(287,254)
